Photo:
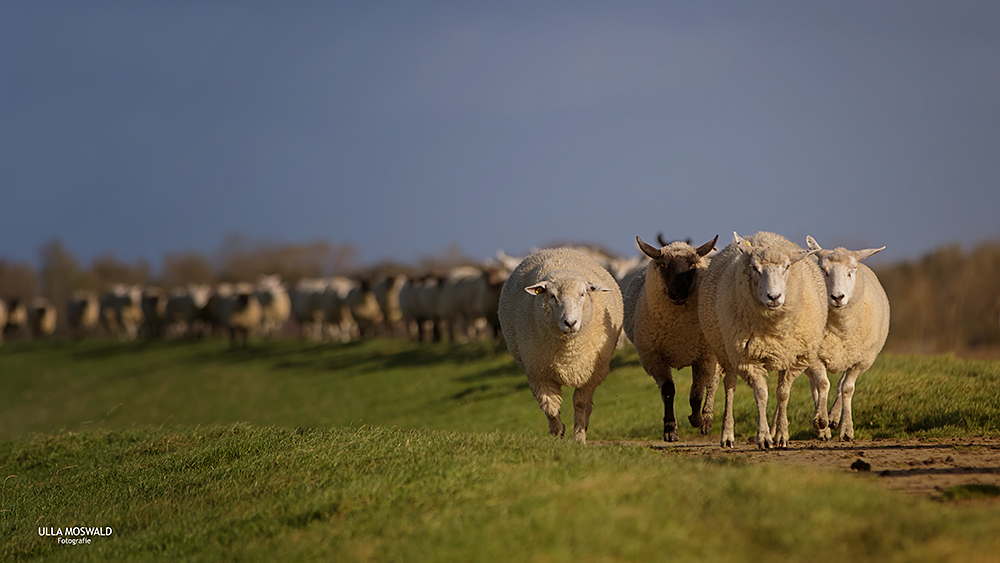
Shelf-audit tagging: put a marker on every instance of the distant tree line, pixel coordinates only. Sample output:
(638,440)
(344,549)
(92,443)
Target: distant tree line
(948,300)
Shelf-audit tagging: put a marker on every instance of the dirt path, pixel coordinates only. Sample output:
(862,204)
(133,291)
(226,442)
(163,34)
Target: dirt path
(923,467)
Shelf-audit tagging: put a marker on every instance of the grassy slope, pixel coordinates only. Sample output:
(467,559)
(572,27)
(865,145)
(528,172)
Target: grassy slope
(337,461)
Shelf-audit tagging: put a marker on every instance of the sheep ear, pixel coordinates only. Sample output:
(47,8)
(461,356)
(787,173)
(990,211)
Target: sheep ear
(648,249)
(741,243)
(802,254)
(538,288)
(704,249)
(860,255)
(812,244)
(595,287)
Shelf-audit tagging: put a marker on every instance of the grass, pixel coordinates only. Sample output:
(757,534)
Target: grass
(386,451)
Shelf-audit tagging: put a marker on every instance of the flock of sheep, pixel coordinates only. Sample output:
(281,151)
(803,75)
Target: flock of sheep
(761,304)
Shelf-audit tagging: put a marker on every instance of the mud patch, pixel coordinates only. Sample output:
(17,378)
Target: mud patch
(940,468)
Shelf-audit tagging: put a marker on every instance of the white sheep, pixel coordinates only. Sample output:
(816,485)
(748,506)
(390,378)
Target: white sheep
(418,301)
(338,321)
(275,304)
(762,307)
(306,300)
(561,315)
(457,308)
(661,320)
(856,328)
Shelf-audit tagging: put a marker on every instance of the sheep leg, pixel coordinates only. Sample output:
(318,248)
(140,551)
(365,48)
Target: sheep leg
(838,403)
(780,430)
(846,421)
(819,385)
(728,424)
(757,380)
(704,384)
(665,381)
(583,404)
(549,397)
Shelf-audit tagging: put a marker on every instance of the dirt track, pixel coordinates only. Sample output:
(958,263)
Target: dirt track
(922,467)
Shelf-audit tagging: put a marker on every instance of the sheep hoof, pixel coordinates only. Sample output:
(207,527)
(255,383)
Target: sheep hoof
(825,434)
(820,423)
(728,443)
(706,425)
(765,443)
(557,431)
(695,420)
(671,436)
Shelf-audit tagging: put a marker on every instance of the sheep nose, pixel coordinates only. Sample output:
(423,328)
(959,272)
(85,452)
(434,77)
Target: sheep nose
(838,299)
(570,326)
(773,297)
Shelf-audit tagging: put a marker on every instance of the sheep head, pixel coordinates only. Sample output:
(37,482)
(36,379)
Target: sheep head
(677,265)
(769,269)
(566,301)
(840,268)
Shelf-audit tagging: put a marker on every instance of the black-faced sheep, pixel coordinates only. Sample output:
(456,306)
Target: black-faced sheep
(83,313)
(661,320)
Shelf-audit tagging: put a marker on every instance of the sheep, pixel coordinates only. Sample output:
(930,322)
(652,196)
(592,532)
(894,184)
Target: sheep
(661,320)
(364,308)
(339,322)
(83,313)
(241,314)
(561,315)
(487,296)
(275,304)
(17,318)
(121,311)
(857,325)
(387,291)
(456,304)
(418,301)
(762,306)
(186,311)
(3,318)
(154,309)
(307,307)
(214,311)
(41,318)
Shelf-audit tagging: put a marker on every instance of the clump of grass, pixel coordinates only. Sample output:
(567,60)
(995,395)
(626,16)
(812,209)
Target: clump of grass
(973,491)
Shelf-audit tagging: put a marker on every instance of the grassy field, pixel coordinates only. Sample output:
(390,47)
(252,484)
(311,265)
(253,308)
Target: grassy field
(387,451)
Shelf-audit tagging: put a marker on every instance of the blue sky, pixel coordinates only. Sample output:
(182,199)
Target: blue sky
(139,128)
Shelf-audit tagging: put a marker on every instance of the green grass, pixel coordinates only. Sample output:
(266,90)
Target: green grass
(389,451)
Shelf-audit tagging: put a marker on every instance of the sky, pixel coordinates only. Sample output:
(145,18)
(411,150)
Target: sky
(135,129)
